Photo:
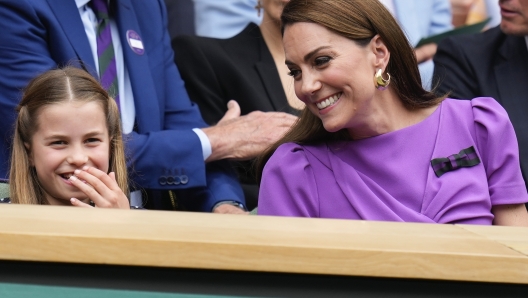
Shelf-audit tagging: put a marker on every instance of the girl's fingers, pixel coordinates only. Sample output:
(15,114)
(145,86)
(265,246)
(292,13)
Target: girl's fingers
(77,203)
(98,180)
(122,199)
(112,175)
(100,187)
(102,176)
(88,189)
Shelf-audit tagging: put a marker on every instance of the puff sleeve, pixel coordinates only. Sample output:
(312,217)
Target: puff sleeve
(288,186)
(499,151)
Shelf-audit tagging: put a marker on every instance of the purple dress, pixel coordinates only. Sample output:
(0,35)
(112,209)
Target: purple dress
(450,168)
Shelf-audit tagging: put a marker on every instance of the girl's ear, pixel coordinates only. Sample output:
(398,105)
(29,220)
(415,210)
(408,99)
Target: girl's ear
(381,52)
(30,155)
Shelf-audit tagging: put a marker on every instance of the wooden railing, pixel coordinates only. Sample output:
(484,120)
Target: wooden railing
(265,244)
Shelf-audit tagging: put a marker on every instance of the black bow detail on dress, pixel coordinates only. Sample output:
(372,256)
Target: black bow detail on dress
(464,159)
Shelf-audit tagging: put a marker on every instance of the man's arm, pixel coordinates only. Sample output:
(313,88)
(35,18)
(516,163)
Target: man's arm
(220,181)
(222,189)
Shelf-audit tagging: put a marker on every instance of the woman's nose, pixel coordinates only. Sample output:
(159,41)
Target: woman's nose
(310,84)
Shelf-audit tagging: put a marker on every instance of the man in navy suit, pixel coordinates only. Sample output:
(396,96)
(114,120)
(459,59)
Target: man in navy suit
(493,63)
(169,145)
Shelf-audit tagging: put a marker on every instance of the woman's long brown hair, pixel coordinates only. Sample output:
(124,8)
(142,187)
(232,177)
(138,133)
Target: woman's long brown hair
(360,21)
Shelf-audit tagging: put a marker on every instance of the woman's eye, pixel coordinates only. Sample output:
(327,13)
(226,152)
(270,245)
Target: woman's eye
(294,73)
(322,60)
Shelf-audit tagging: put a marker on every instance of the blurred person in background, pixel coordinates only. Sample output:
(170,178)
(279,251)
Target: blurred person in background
(248,68)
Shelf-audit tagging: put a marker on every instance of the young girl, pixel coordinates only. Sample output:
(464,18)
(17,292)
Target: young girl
(67,145)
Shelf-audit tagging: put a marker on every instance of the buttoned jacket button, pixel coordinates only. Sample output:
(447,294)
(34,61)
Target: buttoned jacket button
(176,180)
(184,179)
(162,180)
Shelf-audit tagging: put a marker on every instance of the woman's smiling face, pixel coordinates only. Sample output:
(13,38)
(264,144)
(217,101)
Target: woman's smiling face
(333,74)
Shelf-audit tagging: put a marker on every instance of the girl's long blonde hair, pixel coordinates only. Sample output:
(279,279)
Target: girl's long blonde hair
(52,87)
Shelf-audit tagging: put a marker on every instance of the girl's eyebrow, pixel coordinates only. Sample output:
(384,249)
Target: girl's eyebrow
(61,136)
(55,136)
(94,133)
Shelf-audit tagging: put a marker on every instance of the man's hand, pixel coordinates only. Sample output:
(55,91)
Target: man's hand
(425,52)
(245,137)
(229,209)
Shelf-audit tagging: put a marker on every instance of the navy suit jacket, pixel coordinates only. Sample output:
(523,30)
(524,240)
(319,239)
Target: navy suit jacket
(488,64)
(164,152)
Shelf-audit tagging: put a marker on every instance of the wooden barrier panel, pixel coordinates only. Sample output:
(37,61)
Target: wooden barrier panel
(224,243)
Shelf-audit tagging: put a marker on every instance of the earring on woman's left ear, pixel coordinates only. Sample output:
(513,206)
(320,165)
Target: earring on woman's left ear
(259,7)
(380,82)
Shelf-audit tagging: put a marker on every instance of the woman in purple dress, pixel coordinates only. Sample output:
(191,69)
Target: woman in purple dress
(372,143)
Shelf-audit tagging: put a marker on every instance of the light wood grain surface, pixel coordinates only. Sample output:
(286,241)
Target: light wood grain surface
(515,238)
(268,244)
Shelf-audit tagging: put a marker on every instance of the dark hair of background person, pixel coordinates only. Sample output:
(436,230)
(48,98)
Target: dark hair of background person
(360,21)
(54,87)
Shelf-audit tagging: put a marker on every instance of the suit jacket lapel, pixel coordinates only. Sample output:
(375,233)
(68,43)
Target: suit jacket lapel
(68,16)
(147,111)
(511,73)
(270,78)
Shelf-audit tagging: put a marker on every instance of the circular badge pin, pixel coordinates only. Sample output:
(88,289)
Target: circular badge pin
(135,43)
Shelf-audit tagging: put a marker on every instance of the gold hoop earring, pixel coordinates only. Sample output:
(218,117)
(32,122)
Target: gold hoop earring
(380,82)
(259,7)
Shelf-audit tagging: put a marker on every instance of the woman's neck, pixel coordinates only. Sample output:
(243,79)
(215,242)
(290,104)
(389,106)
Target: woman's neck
(271,31)
(387,114)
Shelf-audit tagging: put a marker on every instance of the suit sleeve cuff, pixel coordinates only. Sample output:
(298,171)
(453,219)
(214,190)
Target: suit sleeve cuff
(206,144)
(233,203)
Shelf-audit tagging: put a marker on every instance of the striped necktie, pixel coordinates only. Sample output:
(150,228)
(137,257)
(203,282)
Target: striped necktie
(105,49)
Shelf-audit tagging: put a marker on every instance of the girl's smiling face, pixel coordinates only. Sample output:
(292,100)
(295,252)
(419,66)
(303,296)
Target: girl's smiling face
(69,135)
(333,74)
